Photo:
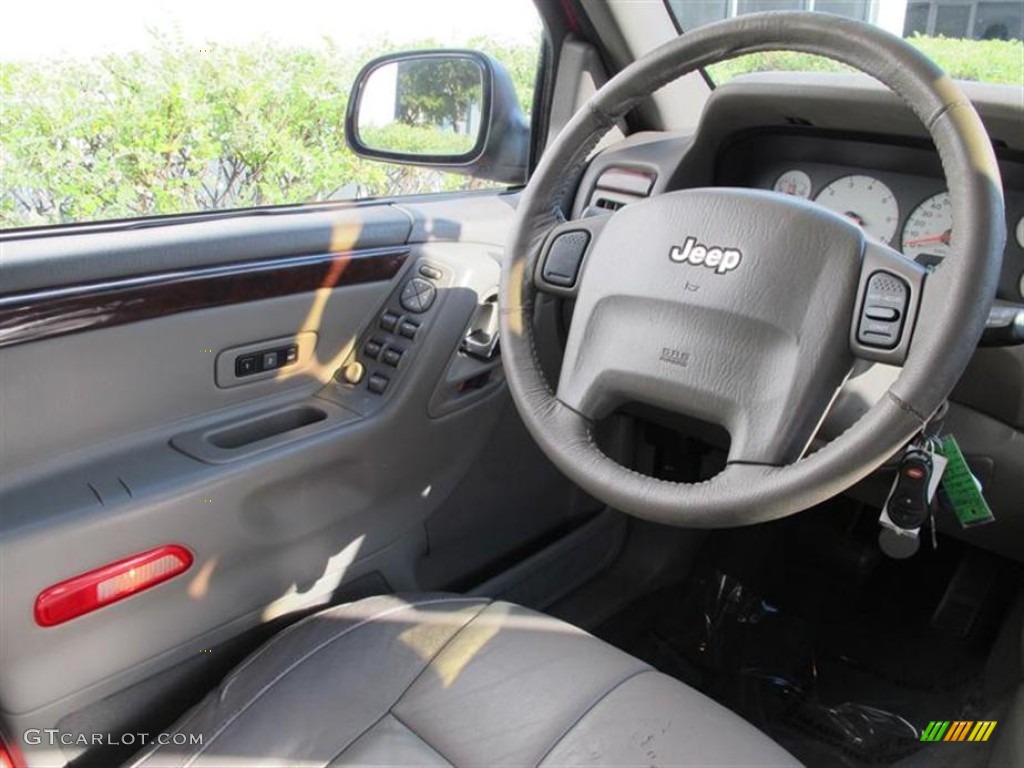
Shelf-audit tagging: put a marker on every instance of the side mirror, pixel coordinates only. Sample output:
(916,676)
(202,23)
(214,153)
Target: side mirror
(454,111)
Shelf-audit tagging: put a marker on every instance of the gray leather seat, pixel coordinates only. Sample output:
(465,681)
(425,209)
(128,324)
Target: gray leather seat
(442,680)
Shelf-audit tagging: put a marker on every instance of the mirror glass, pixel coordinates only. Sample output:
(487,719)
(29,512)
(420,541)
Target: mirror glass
(423,106)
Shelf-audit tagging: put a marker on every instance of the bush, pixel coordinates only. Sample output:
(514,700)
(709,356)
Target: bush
(178,130)
(992,61)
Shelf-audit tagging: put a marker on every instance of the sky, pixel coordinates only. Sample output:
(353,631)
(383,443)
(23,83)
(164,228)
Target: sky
(42,29)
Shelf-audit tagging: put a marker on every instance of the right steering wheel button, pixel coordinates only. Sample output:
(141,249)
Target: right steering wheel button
(887,314)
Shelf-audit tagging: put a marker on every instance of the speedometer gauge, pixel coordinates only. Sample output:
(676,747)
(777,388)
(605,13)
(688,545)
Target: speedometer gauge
(865,200)
(928,229)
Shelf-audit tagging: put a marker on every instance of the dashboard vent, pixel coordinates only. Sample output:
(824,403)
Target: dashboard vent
(608,205)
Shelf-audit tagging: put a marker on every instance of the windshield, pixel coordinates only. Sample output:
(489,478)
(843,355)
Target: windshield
(971,39)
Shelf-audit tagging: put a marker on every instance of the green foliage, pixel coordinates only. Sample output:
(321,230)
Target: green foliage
(416,139)
(438,92)
(990,61)
(521,61)
(178,130)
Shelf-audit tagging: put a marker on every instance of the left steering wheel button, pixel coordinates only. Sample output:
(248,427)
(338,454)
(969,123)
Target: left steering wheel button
(564,257)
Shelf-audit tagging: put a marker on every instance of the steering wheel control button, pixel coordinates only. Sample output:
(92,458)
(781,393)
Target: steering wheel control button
(885,303)
(564,258)
(391,357)
(887,314)
(353,373)
(408,329)
(388,321)
(875,334)
(432,272)
(378,383)
(418,295)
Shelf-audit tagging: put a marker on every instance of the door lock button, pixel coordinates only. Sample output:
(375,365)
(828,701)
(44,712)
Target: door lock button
(245,365)
(432,272)
(378,383)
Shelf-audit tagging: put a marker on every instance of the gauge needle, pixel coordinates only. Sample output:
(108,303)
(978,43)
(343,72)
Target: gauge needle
(857,219)
(943,238)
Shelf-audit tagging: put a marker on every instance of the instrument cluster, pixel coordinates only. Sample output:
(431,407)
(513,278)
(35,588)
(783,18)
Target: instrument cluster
(869,202)
(895,189)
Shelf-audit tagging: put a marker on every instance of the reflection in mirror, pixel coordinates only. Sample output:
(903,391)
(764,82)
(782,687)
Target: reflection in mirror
(428,106)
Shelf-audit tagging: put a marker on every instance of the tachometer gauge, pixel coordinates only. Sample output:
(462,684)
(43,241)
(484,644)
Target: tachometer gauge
(928,229)
(865,200)
(796,183)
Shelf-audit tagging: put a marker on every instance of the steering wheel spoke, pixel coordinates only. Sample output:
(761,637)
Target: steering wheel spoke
(888,299)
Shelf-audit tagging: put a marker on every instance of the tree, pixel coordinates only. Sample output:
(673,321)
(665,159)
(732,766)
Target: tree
(438,92)
(176,130)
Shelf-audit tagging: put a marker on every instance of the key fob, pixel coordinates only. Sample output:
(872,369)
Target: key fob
(908,502)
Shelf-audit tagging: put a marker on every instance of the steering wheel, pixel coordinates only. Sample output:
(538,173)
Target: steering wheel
(746,308)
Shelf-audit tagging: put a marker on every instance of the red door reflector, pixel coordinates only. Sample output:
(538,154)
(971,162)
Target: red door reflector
(88,591)
(9,756)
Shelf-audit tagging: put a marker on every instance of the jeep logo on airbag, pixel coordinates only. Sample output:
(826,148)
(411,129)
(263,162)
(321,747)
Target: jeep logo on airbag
(721,260)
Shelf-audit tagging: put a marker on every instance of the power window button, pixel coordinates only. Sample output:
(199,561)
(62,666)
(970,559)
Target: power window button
(389,321)
(378,383)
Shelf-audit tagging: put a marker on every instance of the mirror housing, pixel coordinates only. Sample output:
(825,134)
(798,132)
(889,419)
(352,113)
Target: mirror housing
(459,107)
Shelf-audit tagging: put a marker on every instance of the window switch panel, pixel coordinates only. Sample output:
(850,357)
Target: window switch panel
(266,360)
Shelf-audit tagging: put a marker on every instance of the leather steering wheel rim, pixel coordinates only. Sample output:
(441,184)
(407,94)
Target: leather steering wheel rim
(952,310)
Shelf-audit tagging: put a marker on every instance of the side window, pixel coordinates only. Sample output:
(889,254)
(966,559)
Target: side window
(116,110)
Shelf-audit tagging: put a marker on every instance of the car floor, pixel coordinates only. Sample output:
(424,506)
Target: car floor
(840,654)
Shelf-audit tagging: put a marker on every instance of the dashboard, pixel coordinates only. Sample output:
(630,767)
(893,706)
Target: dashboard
(893,189)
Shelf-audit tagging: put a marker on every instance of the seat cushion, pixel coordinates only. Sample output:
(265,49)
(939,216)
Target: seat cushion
(449,680)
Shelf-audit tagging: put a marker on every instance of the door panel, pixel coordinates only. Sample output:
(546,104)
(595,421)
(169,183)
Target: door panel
(80,392)
(119,437)
(98,252)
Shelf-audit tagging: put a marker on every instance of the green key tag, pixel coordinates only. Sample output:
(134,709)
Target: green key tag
(961,489)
